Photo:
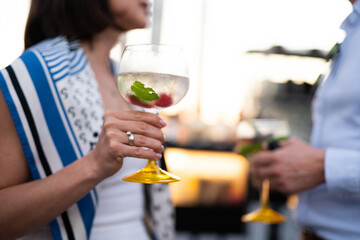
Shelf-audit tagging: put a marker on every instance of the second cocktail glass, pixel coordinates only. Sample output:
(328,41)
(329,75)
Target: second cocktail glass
(252,134)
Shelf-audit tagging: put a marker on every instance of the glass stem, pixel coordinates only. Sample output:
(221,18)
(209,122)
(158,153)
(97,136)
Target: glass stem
(264,197)
(151,163)
(152,167)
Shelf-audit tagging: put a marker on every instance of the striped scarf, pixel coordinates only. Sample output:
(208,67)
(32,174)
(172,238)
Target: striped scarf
(47,91)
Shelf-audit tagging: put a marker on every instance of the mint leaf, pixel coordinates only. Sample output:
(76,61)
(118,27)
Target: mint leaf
(247,149)
(143,93)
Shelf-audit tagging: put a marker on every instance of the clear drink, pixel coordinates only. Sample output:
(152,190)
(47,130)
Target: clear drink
(170,89)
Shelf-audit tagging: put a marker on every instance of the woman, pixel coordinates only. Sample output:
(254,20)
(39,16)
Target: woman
(57,100)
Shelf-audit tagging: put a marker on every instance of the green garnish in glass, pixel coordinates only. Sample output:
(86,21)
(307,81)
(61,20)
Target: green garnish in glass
(247,149)
(144,93)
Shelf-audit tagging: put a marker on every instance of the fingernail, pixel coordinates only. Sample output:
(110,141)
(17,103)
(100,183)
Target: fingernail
(158,155)
(162,123)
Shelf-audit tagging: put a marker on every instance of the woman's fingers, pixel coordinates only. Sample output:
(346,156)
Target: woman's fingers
(118,137)
(120,146)
(139,123)
(137,116)
(139,152)
(141,129)
(142,141)
(131,132)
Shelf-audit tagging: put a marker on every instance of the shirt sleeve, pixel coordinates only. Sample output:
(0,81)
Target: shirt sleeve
(342,173)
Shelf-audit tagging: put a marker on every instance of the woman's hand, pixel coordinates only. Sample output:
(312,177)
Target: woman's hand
(113,144)
(294,167)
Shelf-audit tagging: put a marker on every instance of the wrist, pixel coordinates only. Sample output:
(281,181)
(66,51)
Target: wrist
(91,168)
(320,160)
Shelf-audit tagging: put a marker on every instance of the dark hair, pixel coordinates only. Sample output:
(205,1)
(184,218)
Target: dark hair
(79,19)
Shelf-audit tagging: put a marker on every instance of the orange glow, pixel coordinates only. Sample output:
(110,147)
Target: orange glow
(207,177)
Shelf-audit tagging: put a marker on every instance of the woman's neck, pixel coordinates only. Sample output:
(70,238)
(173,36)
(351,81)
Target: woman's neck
(98,49)
(97,52)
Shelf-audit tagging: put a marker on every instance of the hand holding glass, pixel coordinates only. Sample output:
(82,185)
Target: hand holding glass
(153,77)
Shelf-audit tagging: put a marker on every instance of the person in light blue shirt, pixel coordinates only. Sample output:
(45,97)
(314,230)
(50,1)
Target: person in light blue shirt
(326,172)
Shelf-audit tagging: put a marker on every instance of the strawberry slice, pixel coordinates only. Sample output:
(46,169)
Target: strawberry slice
(139,103)
(164,100)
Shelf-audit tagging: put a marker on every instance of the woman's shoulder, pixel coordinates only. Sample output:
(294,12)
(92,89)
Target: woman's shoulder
(58,56)
(53,48)
(55,44)
(43,51)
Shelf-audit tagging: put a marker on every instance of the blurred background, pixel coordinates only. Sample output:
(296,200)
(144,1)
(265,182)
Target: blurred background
(248,59)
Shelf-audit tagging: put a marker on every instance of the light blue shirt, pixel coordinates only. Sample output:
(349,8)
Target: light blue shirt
(332,209)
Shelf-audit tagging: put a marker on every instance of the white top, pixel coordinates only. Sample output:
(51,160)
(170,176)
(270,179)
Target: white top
(121,206)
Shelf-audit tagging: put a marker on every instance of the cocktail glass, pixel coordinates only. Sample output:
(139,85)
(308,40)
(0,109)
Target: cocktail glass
(252,134)
(153,77)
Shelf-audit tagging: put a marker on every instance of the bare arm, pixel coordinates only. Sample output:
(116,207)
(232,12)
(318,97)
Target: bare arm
(27,205)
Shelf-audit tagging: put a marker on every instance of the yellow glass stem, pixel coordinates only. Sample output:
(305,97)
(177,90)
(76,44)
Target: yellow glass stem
(264,214)
(264,197)
(151,173)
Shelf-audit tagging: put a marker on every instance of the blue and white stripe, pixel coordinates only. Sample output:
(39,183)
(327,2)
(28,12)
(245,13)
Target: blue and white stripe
(45,131)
